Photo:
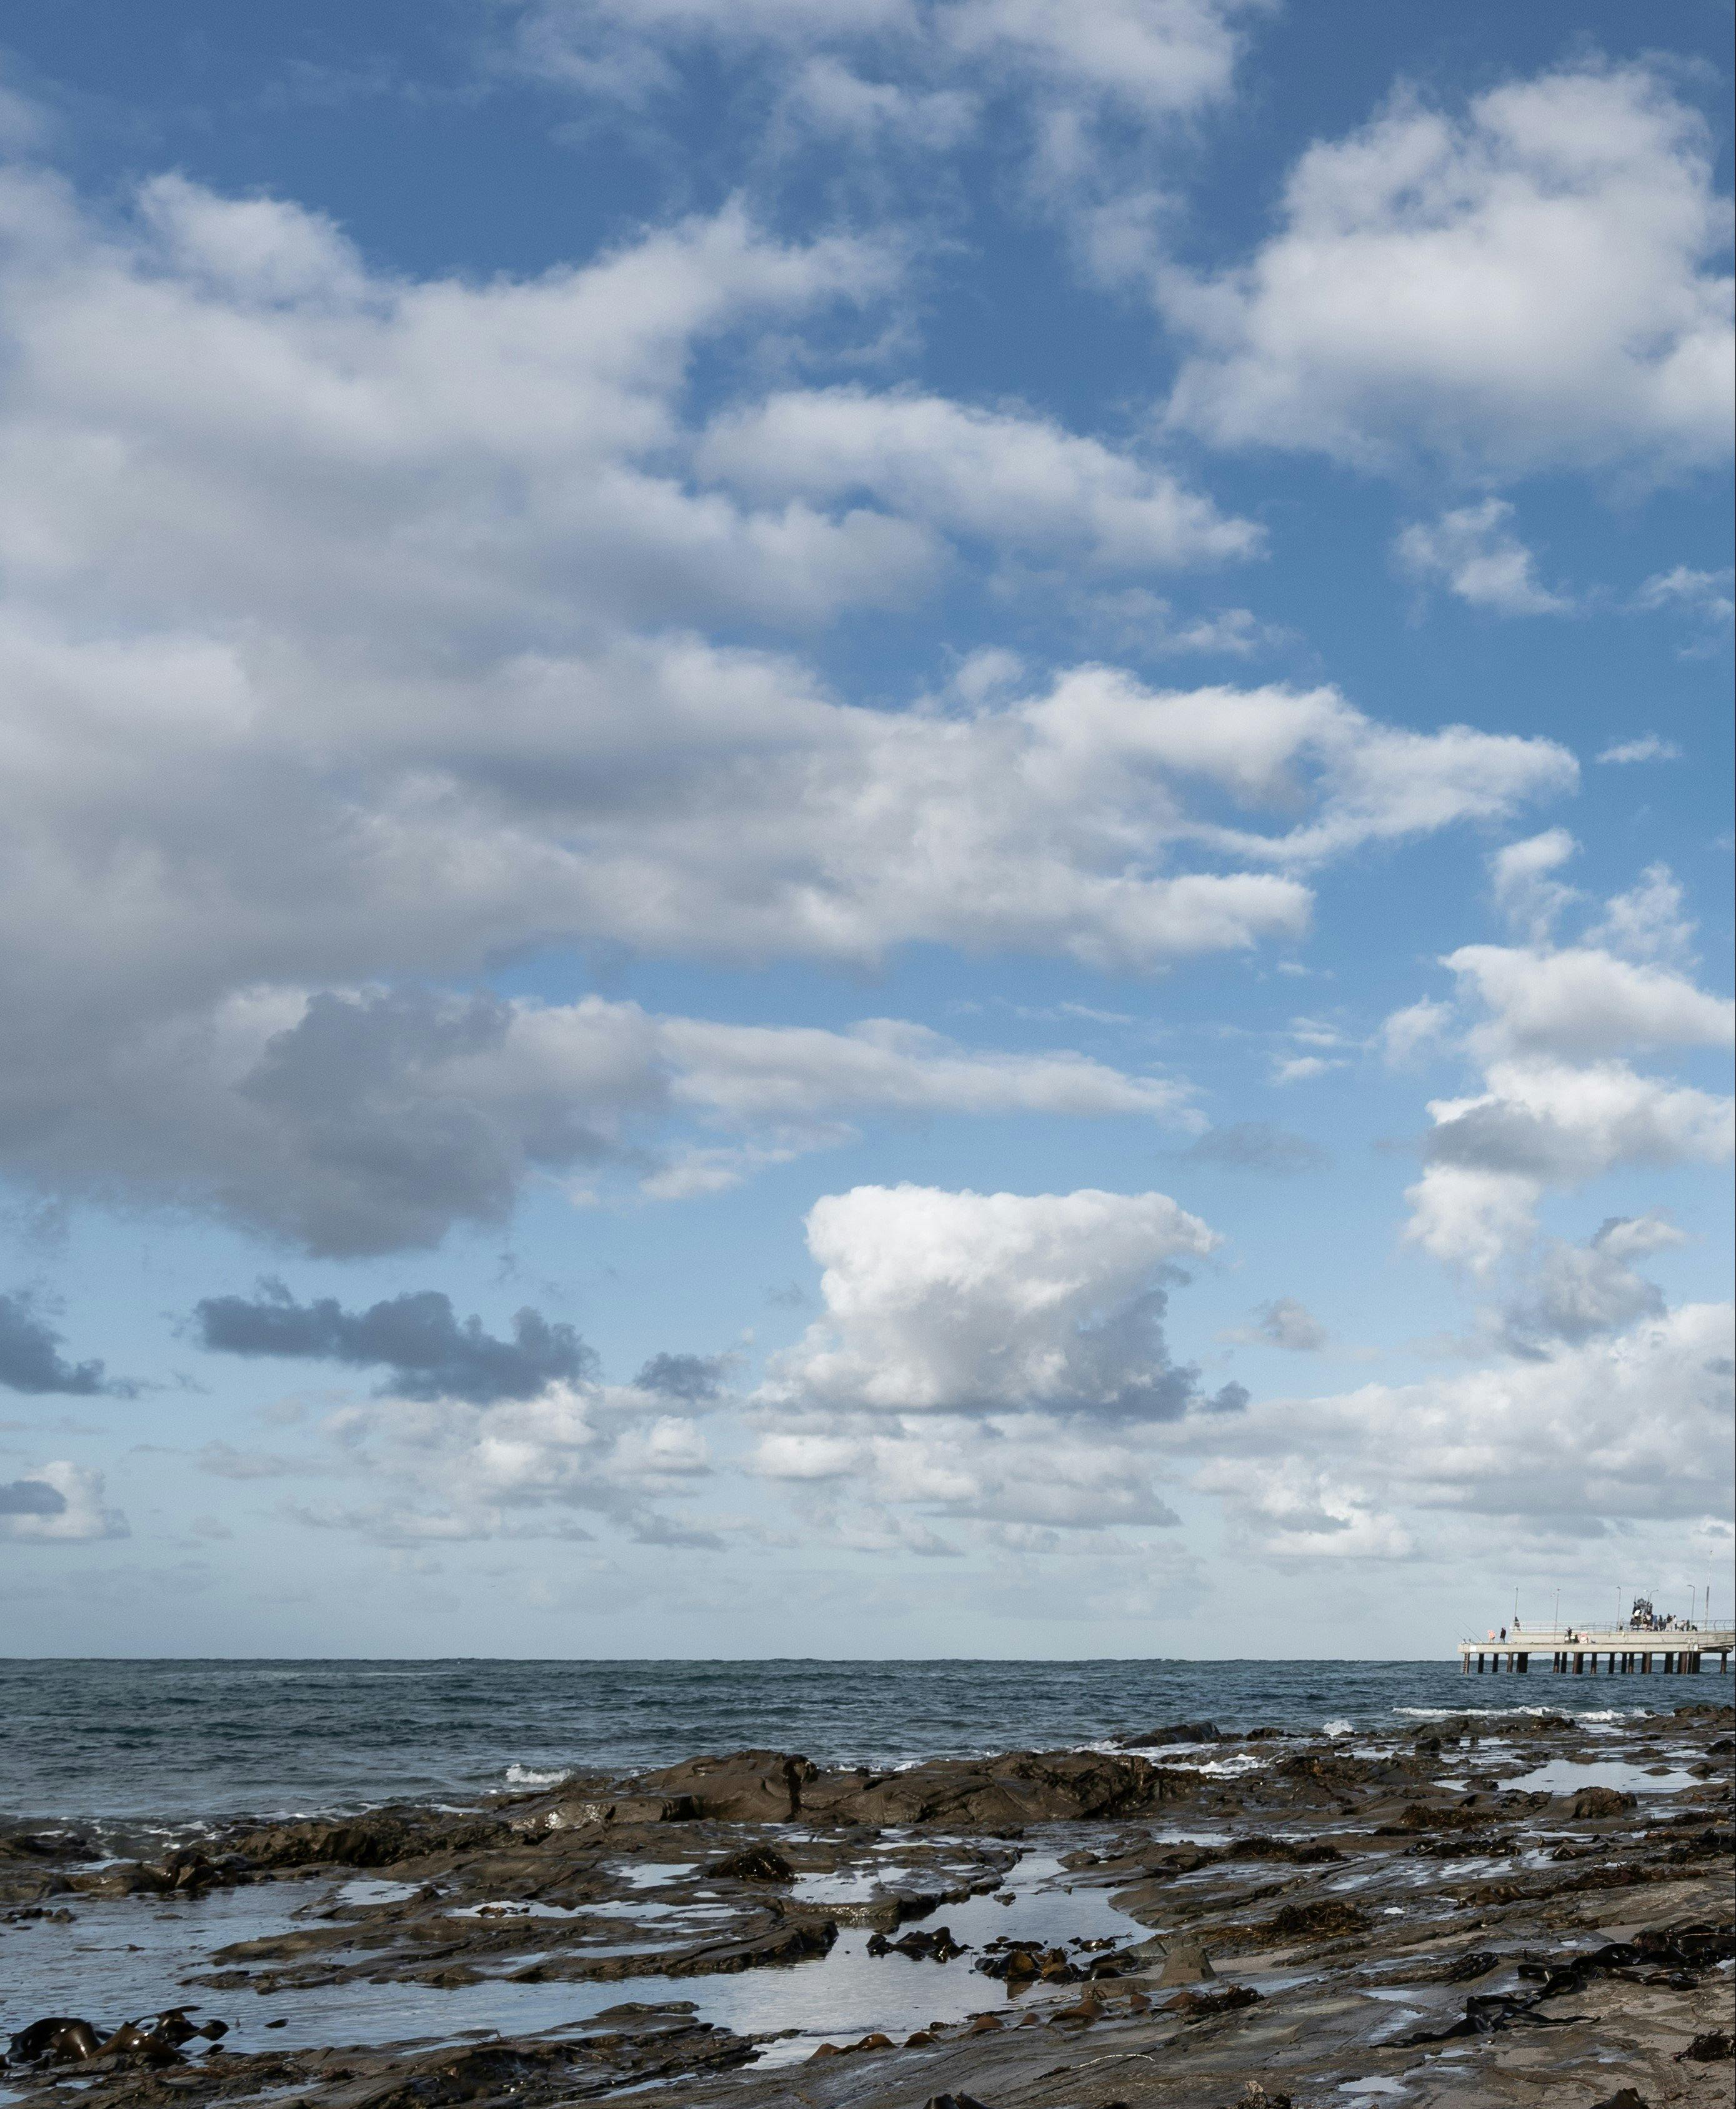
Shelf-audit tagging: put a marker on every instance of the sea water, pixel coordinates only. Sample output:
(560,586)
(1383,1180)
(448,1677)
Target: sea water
(181,1742)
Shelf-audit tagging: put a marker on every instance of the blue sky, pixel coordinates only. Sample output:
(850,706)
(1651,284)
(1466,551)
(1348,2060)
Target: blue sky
(896,830)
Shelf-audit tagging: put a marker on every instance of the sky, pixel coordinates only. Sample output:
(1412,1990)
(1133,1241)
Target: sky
(888,830)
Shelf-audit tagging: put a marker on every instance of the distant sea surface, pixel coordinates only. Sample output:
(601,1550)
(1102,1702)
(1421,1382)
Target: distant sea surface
(175,1743)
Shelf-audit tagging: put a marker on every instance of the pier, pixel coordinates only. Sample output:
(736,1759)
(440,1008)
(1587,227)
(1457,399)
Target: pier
(1627,1651)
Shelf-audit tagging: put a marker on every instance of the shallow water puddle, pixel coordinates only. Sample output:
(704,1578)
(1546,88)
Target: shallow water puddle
(656,1874)
(851,1993)
(142,1956)
(859,1889)
(1563,1775)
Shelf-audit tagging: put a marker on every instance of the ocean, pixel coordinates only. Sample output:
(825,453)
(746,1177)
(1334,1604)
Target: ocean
(174,1743)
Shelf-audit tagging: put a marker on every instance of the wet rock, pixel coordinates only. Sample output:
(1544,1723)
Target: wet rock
(1002,1794)
(755,1863)
(1178,1731)
(797,1942)
(1329,1769)
(380,1840)
(1433,1816)
(1300,1852)
(1596,1801)
(39,1845)
(646,2044)
(1464,1845)
(1181,1860)
(953,2102)
(746,1786)
(934,1944)
(594,1806)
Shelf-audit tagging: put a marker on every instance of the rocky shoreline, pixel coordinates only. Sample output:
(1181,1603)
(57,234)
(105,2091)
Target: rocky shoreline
(1499,1908)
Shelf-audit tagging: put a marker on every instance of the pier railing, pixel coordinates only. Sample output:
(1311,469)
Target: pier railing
(1573,1650)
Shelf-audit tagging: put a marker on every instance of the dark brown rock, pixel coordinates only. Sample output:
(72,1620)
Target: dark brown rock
(746,1786)
(1591,1802)
(1178,1731)
(754,1864)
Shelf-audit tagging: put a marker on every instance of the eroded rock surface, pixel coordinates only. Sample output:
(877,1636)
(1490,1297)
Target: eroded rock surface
(1255,1918)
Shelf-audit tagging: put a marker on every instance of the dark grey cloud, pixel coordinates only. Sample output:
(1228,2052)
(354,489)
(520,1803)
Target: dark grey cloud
(1503,1137)
(387,1137)
(425,1351)
(1578,1292)
(1123,1370)
(30,1359)
(649,1529)
(32,1497)
(695,1378)
(1258,1146)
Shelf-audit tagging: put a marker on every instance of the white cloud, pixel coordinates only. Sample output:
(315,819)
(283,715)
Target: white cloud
(1630,1426)
(1542,1123)
(1583,1001)
(1475,553)
(1647,747)
(1303,1068)
(1295,1510)
(352,643)
(1706,594)
(1647,922)
(964,1303)
(1469,1215)
(519,1468)
(1407,1032)
(1029,1470)
(1154,58)
(1522,880)
(59,1503)
(1560,1103)
(1531,284)
(826,97)
(1007,477)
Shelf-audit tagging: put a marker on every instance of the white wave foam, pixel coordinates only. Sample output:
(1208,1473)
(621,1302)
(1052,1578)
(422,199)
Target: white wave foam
(1455,1713)
(523,1775)
(1338,1727)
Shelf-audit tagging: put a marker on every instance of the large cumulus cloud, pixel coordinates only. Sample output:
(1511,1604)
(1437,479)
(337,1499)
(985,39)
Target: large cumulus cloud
(364,629)
(1533,281)
(963,1302)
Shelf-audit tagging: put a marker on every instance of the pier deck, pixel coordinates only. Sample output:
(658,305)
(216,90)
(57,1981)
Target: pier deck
(1574,1650)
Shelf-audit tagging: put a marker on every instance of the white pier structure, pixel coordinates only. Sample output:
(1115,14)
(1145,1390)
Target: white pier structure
(1574,1650)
